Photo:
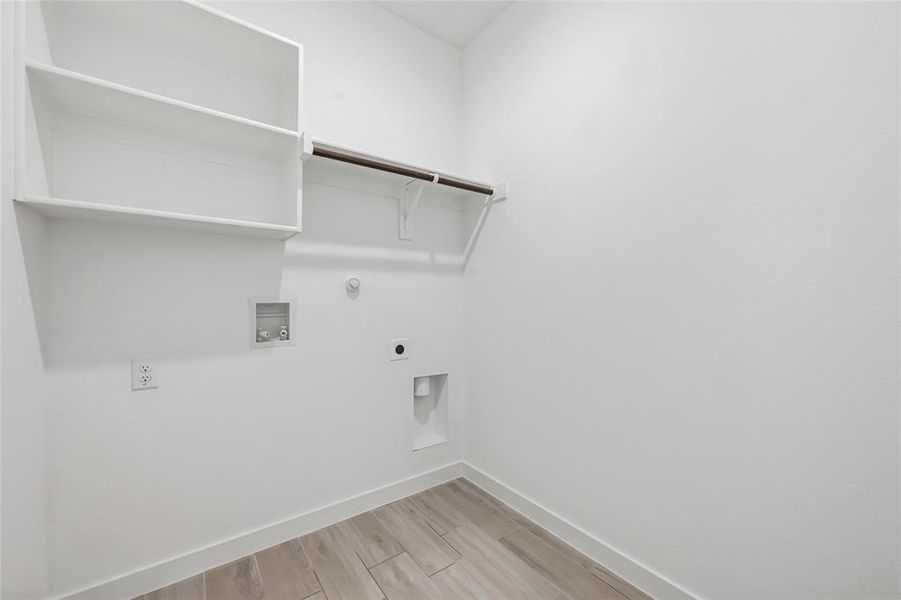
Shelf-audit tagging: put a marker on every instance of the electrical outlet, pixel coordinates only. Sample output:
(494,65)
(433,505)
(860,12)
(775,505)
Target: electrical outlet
(144,375)
(399,349)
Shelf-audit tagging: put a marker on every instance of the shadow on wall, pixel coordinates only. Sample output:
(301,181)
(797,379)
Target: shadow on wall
(105,293)
(33,233)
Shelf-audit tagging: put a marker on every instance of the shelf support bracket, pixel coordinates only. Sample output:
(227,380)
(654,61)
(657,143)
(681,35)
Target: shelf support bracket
(498,195)
(408,205)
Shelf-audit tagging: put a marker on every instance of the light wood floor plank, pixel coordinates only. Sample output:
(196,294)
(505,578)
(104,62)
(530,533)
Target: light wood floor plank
(341,573)
(188,589)
(372,542)
(478,494)
(286,572)
(239,580)
(623,587)
(401,545)
(422,543)
(493,521)
(498,568)
(402,579)
(437,512)
(568,576)
(461,582)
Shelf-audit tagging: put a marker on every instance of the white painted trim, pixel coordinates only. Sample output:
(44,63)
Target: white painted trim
(140,581)
(641,576)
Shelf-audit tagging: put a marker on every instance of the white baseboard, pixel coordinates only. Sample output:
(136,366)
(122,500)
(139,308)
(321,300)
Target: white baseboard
(140,581)
(626,567)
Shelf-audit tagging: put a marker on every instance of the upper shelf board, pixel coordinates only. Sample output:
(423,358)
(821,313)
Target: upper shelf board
(106,100)
(178,49)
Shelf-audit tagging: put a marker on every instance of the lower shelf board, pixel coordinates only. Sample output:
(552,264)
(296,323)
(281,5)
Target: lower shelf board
(126,215)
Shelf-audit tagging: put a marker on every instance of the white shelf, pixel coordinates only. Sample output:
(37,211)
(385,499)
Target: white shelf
(167,114)
(75,209)
(84,94)
(178,49)
(333,165)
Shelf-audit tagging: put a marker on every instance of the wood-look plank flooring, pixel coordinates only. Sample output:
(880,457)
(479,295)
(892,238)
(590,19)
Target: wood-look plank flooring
(452,542)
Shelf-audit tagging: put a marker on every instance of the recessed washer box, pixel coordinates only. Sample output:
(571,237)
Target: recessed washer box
(272,321)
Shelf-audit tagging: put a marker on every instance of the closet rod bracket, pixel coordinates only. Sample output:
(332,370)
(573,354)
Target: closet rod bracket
(408,205)
(306,146)
(499,193)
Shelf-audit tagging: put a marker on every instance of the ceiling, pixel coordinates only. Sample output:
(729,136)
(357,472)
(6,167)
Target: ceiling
(457,23)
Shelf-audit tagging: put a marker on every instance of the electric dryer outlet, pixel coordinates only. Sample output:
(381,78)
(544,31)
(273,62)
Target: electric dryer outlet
(399,349)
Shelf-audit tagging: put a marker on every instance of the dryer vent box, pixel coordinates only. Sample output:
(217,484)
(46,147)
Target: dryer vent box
(272,322)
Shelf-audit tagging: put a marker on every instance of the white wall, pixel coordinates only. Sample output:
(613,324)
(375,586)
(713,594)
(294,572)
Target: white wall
(236,439)
(705,196)
(687,318)
(371,80)
(23,392)
(22,395)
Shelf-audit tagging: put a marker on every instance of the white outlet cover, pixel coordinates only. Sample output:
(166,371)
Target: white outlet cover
(144,374)
(393,351)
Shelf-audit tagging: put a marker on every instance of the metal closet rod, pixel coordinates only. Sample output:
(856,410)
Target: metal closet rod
(390,167)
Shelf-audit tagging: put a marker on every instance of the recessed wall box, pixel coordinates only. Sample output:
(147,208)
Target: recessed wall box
(430,403)
(272,322)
